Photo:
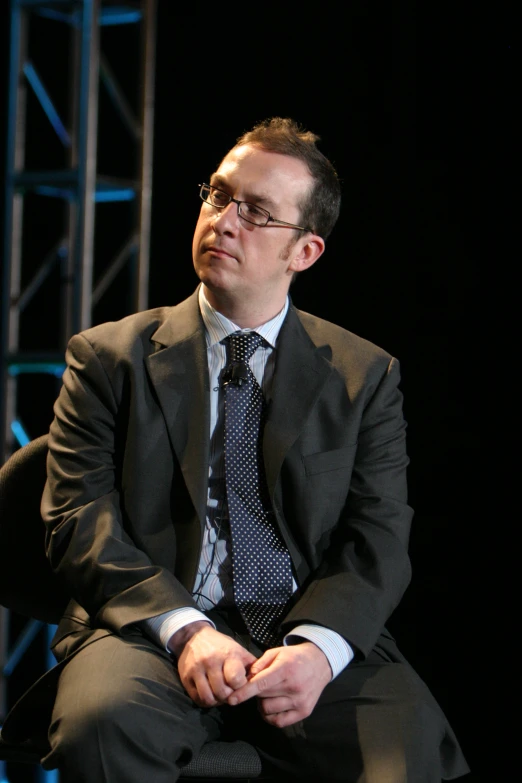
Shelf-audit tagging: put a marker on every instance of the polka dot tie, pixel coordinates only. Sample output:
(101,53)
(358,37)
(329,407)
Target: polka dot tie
(262,571)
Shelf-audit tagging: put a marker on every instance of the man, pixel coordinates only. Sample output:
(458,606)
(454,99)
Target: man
(146,526)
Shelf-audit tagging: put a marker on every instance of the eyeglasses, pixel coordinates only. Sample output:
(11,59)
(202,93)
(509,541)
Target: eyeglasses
(250,212)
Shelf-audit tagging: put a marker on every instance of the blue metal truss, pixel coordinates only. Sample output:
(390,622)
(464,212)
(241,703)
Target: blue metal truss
(79,185)
(78,189)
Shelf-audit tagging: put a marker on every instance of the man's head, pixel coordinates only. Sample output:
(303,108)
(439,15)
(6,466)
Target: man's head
(274,170)
(320,206)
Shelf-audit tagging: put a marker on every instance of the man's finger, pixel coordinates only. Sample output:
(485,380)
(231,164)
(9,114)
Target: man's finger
(265,661)
(275,705)
(234,673)
(283,719)
(220,690)
(200,691)
(265,683)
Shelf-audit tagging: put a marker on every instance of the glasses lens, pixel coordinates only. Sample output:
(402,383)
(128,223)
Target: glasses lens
(255,215)
(215,196)
(249,212)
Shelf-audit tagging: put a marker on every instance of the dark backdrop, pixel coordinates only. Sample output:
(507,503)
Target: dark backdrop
(410,112)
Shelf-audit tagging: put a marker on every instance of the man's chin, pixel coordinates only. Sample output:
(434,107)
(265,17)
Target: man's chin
(215,287)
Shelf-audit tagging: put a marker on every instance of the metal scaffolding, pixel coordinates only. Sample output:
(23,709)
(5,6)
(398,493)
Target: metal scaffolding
(79,281)
(60,280)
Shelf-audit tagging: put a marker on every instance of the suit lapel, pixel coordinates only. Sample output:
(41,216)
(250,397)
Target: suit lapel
(301,372)
(179,373)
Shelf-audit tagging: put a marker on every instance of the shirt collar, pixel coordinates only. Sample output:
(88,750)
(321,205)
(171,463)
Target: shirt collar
(219,326)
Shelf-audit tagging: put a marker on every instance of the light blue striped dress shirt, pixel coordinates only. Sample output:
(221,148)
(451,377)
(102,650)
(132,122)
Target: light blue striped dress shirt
(213,585)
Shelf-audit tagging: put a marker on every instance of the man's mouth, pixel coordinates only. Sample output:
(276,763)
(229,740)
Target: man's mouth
(218,251)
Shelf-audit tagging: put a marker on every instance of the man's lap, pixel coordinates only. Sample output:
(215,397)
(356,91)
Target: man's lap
(377,710)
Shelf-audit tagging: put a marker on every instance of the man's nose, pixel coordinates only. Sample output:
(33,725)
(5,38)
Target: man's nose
(226,220)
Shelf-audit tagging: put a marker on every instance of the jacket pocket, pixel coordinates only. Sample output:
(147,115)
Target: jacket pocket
(324,461)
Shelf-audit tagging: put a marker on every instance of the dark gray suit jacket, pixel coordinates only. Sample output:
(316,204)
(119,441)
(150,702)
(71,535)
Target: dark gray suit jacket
(126,496)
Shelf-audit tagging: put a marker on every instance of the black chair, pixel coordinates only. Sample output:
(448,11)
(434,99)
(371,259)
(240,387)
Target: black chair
(29,587)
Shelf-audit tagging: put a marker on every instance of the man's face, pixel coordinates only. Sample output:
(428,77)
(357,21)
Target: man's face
(234,258)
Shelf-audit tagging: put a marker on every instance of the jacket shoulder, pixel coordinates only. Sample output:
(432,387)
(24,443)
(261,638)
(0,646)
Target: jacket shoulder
(343,344)
(121,335)
(143,332)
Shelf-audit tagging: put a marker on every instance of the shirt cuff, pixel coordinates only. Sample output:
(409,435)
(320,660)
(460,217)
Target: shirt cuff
(162,626)
(337,650)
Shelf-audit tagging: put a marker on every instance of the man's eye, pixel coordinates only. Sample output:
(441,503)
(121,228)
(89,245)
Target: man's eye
(252,211)
(219,199)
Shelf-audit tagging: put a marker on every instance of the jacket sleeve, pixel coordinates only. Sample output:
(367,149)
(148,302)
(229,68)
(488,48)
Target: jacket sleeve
(87,543)
(364,569)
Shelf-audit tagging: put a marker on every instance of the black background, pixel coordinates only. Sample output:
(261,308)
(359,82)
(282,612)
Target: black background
(417,112)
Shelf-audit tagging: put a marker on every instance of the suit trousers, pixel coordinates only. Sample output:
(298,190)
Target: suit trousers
(121,715)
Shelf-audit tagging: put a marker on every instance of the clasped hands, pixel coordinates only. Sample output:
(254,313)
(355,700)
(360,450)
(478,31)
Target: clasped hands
(214,669)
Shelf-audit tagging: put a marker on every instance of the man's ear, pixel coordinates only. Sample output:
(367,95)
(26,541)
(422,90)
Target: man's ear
(308,253)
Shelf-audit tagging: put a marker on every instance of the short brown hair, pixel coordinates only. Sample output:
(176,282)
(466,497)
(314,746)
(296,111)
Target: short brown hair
(320,207)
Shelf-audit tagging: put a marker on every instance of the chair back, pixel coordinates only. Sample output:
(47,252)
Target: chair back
(27,583)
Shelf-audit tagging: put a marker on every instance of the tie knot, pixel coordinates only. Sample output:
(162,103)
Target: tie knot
(242,345)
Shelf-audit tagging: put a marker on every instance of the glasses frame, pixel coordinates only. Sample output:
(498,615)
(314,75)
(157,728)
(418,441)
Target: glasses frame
(269,218)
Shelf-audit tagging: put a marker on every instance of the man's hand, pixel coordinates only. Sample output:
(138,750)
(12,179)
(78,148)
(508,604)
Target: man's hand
(211,665)
(288,682)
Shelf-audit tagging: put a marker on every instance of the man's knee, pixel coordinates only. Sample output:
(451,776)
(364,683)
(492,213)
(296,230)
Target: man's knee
(120,698)
(97,718)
